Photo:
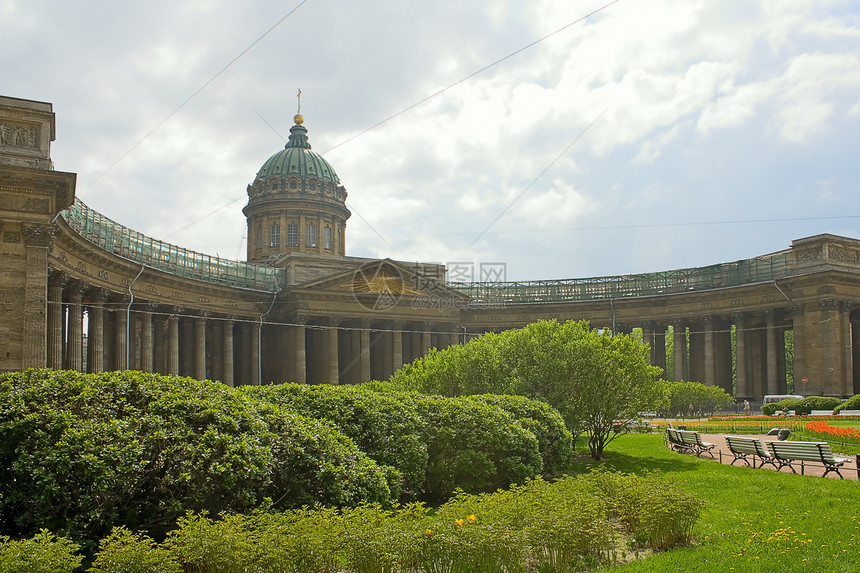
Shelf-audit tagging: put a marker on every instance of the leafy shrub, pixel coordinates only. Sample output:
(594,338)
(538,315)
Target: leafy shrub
(852,403)
(680,396)
(382,426)
(84,453)
(811,403)
(590,376)
(788,404)
(555,441)
(436,444)
(472,446)
(658,512)
(126,552)
(43,553)
(567,525)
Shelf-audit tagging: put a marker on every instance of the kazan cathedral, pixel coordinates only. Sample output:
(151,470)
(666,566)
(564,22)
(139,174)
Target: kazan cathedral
(80,291)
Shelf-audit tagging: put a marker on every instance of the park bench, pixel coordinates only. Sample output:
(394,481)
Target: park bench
(694,442)
(785,453)
(675,441)
(746,449)
(821,413)
(849,413)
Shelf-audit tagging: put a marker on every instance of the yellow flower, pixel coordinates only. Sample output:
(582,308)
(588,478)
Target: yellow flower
(472,519)
(459,522)
(428,533)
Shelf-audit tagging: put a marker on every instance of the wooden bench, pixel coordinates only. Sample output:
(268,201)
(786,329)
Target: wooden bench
(821,413)
(746,449)
(849,413)
(785,453)
(675,442)
(694,442)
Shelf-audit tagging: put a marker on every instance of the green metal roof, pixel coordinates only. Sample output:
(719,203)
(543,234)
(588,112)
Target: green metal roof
(297,159)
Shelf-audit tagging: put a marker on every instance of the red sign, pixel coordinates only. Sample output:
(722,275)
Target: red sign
(804,380)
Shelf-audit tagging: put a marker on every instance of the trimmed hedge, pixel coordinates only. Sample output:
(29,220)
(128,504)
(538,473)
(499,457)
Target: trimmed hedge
(811,403)
(802,407)
(852,403)
(472,446)
(788,404)
(381,425)
(436,444)
(83,453)
(555,441)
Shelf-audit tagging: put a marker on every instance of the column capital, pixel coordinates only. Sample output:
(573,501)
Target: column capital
(76,290)
(97,295)
(39,235)
(58,280)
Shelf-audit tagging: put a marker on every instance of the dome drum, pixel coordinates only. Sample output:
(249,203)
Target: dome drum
(296,204)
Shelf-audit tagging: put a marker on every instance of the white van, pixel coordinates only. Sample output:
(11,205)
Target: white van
(774,398)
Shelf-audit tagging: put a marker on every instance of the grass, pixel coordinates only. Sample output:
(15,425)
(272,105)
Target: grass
(754,520)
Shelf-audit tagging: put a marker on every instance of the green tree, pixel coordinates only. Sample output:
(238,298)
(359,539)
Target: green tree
(681,395)
(591,377)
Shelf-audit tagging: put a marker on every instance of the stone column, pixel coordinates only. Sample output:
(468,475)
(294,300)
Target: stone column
(299,352)
(397,346)
(364,345)
(854,380)
(333,362)
(772,353)
(696,360)
(76,328)
(710,378)
(186,347)
(353,369)
(200,348)
(256,377)
(243,354)
(55,321)
(741,383)
(227,358)
(159,343)
(426,343)
(847,348)
(146,338)
(679,339)
(95,342)
(173,344)
(121,338)
(660,346)
(34,343)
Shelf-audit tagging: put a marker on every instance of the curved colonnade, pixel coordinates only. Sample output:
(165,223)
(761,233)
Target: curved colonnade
(80,291)
(240,326)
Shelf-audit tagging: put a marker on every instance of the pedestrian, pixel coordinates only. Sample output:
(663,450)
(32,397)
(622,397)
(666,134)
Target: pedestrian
(746,407)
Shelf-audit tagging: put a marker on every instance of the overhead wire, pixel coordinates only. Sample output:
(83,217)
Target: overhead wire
(438,93)
(192,96)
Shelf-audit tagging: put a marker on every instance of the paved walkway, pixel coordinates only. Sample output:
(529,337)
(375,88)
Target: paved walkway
(849,470)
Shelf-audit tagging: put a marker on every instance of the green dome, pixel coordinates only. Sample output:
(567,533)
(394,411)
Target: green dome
(297,159)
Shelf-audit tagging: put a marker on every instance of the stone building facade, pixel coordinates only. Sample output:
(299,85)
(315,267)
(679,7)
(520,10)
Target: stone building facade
(80,291)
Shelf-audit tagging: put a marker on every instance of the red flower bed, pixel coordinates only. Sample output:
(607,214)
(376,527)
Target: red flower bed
(821,429)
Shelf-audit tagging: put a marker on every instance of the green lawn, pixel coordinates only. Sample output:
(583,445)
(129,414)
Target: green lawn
(836,422)
(755,520)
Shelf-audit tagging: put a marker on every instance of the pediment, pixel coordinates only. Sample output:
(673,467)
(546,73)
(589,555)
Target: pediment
(386,276)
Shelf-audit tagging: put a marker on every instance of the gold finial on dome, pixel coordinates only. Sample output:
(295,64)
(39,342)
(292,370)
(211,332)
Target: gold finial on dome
(298,117)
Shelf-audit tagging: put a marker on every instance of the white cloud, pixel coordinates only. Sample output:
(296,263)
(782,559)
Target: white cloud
(701,97)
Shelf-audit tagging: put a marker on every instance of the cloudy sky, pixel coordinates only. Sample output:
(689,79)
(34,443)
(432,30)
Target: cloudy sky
(650,135)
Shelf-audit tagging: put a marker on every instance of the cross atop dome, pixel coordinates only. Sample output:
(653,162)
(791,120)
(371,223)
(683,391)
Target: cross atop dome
(298,117)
